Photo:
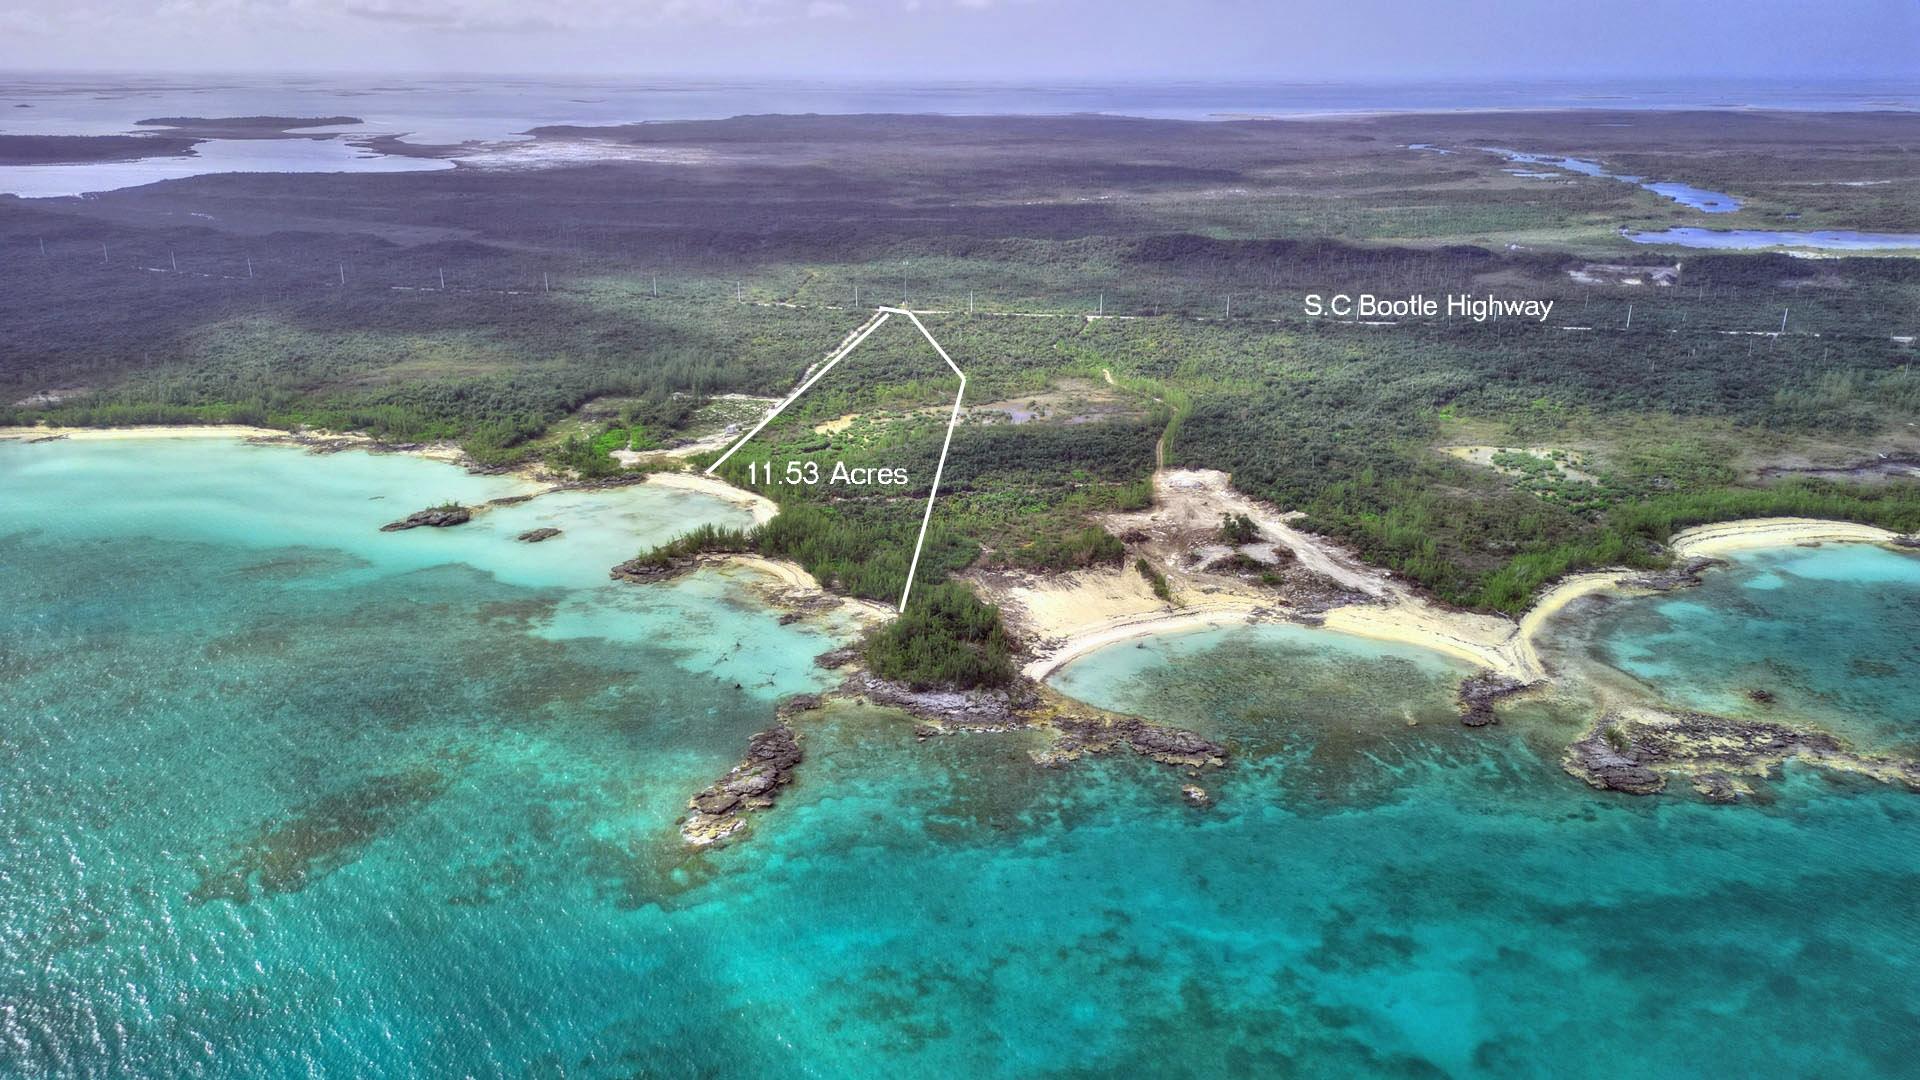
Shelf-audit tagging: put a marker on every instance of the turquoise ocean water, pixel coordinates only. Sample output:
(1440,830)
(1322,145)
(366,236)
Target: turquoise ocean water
(281,795)
(1833,633)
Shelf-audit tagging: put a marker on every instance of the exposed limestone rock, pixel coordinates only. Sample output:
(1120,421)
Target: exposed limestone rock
(1479,691)
(1196,796)
(799,703)
(1638,753)
(534,536)
(1105,733)
(1683,575)
(438,517)
(641,572)
(1716,787)
(1609,760)
(720,811)
(837,658)
(951,710)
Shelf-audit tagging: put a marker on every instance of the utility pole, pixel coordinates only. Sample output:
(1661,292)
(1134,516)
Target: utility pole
(856,294)
(443,279)
(103,252)
(656,284)
(343,275)
(174,259)
(249,268)
(1629,325)
(43,247)
(1229,307)
(969,301)
(546,282)
(1102,309)
(1783,320)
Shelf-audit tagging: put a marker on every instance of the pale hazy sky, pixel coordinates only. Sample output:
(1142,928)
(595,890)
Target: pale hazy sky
(983,39)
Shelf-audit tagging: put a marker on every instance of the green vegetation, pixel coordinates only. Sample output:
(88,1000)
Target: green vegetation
(1076,550)
(1238,529)
(702,540)
(945,638)
(1154,578)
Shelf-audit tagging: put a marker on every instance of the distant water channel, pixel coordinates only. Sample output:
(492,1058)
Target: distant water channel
(450,111)
(1752,239)
(1711,202)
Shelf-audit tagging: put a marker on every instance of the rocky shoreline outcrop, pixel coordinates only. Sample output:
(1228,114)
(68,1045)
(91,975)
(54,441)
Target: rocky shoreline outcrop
(333,444)
(1078,729)
(952,710)
(1640,753)
(436,517)
(535,536)
(1083,734)
(719,811)
(1682,575)
(1478,693)
(641,571)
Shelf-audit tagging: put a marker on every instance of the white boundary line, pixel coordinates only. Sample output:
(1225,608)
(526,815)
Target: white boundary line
(880,315)
(833,358)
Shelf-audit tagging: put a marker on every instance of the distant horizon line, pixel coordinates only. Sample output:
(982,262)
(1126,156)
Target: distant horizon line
(1908,80)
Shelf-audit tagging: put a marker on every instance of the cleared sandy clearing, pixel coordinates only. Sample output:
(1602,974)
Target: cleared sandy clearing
(1483,456)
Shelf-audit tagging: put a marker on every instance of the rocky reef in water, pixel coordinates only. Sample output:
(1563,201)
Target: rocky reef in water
(435,517)
(1027,705)
(720,810)
(1641,752)
(642,571)
(1478,693)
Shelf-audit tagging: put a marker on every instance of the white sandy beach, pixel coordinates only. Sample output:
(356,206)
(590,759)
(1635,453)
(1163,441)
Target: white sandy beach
(1729,536)
(151,431)
(762,508)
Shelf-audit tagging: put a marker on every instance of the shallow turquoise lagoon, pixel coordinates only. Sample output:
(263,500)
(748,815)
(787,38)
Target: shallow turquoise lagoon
(281,795)
(1832,633)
